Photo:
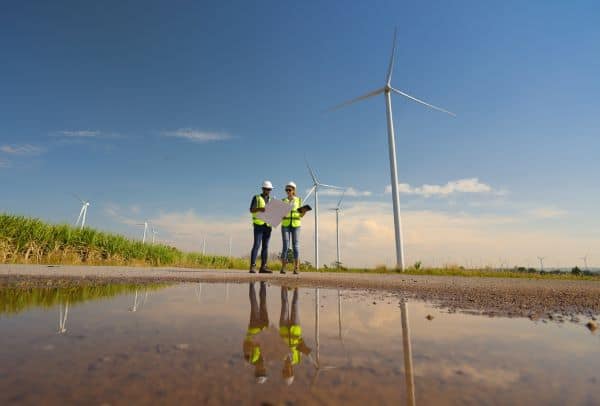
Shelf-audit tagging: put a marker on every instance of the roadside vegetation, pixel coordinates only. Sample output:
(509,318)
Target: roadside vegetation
(31,241)
(25,240)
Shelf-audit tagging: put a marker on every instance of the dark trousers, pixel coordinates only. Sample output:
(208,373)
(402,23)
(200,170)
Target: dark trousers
(262,235)
(259,317)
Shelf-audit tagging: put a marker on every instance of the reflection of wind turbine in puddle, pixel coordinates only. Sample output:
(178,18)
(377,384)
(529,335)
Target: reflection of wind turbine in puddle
(62,317)
(135,302)
(317,362)
(138,302)
(408,365)
(198,291)
(340,334)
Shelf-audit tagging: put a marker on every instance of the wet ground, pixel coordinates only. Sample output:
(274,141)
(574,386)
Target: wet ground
(515,297)
(254,343)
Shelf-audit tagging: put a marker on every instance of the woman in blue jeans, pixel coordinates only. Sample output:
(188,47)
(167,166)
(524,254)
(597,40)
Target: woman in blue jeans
(290,228)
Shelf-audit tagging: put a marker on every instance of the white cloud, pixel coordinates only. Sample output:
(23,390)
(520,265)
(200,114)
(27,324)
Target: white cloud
(547,212)
(78,134)
(468,185)
(191,134)
(478,375)
(348,192)
(25,149)
(367,236)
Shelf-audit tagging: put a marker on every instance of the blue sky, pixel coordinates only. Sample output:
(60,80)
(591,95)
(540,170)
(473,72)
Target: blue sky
(176,113)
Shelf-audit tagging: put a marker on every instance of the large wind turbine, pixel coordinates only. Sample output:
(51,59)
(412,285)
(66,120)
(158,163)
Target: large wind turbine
(315,189)
(83,212)
(387,91)
(337,229)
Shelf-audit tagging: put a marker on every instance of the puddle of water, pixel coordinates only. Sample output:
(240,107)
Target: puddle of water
(229,343)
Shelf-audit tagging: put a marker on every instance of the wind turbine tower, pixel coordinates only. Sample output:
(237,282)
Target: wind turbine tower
(154,233)
(315,189)
(337,229)
(387,91)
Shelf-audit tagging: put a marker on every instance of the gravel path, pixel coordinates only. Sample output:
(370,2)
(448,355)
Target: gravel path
(534,298)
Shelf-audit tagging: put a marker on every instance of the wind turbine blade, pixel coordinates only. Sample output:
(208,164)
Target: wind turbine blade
(312,174)
(310,192)
(388,78)
(357,99)
(340,201)
(423,103)
(80,215)
(331,186)
(78,198)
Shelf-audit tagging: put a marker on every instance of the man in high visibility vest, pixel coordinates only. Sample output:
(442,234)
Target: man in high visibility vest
(262,230)
(259,320)
(291,333)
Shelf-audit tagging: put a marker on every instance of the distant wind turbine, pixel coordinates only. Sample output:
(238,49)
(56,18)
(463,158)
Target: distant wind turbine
(315,189)
(154,234)
(541,262)
(387,91)
(145,224)
(337,229)
(83,212)
(584,258)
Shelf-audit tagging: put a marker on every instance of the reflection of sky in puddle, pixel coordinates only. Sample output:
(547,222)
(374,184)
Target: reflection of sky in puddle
(192,343)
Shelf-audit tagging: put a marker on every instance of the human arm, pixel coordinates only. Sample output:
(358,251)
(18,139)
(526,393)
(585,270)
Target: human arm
(254,208)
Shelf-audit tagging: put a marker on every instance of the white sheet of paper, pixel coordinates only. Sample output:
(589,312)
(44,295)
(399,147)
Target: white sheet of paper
(274,212)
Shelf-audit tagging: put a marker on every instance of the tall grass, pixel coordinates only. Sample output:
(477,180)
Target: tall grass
(28,240)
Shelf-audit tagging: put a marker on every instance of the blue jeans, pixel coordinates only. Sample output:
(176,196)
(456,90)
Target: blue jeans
(262,234)
(294,233)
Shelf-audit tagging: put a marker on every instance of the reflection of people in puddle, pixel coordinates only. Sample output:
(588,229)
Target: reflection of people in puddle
(259,320)
(291,333)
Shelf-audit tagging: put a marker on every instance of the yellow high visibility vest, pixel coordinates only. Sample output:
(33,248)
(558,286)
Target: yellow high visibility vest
(260,204)
(293,217)
(292,336)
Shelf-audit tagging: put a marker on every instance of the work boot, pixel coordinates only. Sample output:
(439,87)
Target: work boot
(253,269)
(283,268)
(296,271)
(265,270)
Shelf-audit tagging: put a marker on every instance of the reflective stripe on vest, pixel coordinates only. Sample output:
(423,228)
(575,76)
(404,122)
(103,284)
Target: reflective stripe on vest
(260,204)
(293,218)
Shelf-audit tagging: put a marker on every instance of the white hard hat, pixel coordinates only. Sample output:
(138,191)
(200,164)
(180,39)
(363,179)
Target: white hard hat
(261,379)
(267,184)
(290,183)
(289,380)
